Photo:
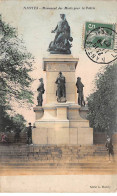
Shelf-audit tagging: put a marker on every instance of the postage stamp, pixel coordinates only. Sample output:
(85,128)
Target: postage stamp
(100,42)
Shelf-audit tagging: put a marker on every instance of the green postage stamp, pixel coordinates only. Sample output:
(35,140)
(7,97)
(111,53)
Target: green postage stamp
(101,35)
(100,42)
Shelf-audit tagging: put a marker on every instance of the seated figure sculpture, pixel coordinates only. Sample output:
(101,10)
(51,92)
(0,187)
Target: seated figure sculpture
(61,43)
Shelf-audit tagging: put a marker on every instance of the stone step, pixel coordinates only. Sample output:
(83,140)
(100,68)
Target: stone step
(97,159)
(51,151)
(5,153)
(61,165)
(64,150)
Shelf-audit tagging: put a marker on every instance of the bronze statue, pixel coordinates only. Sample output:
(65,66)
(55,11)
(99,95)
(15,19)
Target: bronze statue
(61,91)
(80,86)
(40,92)
(61,43)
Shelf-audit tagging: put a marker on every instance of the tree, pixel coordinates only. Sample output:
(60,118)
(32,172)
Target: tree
(14,123)
(15,68)
(102,103)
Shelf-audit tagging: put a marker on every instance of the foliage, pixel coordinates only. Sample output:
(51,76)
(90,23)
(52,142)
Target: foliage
(16,123)
(102,103)
(15,68)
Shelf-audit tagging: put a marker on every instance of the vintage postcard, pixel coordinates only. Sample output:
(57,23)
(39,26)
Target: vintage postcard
(58,96)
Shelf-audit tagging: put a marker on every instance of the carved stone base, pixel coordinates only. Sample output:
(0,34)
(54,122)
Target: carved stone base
(60,52)
(62,123)
(64,136)
(61,100)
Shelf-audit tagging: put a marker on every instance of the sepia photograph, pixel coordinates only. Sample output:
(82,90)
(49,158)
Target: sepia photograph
(58,96)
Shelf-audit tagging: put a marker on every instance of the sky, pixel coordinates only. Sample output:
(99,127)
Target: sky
(34,22)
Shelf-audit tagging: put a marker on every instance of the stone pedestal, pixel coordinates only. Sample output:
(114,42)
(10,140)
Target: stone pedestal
(53,65)
(61,123)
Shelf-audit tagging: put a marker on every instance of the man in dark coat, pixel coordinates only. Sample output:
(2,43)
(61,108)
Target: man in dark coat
(29,134)
(109,147)
(17,135)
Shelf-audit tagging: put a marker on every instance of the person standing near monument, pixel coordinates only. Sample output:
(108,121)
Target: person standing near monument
(17,134)
(41,91)
(109,147)
(61,91)
(80,86)
(29,134)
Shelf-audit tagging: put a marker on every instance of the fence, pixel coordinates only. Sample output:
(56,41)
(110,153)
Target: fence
(100,138)
(11,137)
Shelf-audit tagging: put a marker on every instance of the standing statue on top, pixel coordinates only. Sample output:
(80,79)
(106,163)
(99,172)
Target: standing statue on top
(61,90)
(41,91)
(80,86)
(61,43)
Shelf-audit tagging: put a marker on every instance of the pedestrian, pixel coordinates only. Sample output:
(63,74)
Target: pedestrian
(17,136)
(29,134)
(17,133)
(109,147)
(4,138)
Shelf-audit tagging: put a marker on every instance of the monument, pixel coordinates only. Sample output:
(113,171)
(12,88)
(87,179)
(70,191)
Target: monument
(62,120)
